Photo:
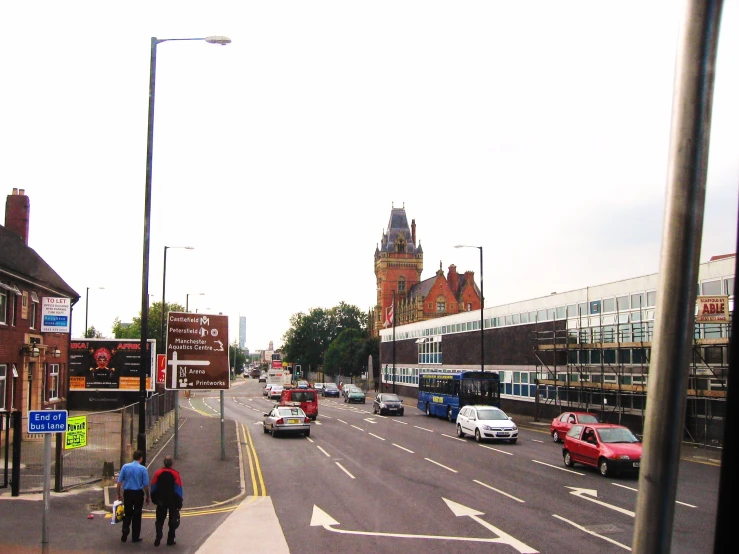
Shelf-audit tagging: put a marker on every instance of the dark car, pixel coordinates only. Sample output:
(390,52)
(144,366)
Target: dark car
(387,404)
(610,448)
(563,423)
(330,389)
(353,394)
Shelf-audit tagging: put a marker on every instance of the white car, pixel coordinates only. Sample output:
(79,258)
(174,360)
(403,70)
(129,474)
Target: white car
(486,422)
(275,393)
(265,390)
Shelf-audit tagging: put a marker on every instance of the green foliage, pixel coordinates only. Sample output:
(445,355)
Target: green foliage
(93,333)
(154,331)
(236,357)
(310,336)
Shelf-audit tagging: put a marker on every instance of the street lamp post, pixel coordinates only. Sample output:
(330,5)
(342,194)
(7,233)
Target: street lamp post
(393,341)
(164,283)
(87,306)
(482,306)
(187,299)
(145,363)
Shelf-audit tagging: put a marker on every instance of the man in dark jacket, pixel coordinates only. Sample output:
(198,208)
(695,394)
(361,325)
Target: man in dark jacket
(166,493)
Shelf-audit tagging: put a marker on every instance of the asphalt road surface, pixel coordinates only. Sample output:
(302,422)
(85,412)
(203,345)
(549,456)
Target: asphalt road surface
(367,483)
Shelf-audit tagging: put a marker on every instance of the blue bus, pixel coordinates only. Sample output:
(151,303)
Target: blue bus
(444,394)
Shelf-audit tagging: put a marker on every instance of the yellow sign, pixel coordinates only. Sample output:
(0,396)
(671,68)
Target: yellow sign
(76,435)
(712,309)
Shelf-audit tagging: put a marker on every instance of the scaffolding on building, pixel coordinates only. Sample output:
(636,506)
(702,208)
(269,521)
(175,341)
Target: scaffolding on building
(605,369)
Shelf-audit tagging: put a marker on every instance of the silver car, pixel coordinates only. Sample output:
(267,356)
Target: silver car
(286,419)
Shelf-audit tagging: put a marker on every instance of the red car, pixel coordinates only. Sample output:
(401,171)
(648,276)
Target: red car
(610,448)
(564,422)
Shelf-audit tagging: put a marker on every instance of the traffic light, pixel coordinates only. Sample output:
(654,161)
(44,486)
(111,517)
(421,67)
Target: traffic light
(297,371)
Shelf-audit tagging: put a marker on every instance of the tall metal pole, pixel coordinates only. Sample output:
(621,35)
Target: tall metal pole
(482,321)
(164,287)
(678,275)
(145,363)
(393,342)
(87,306)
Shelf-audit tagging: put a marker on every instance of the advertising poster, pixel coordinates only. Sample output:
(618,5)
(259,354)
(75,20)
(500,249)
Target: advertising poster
(76,435)
(109,364)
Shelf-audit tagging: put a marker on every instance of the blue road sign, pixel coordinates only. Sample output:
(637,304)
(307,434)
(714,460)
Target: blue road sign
(47,421)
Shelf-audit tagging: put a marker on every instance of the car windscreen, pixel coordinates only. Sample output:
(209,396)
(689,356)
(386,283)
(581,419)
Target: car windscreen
(390,398)
(291,412)
(616,434)
(303,396)
(588,419)
(330,386)
(491,415)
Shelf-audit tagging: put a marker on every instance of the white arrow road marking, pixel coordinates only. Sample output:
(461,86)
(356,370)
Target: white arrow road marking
(322,519)
(496,449)
(403,448)
(498,491)
(345,470)
(369,419)
(591,532)
(441,465)
(557,467)
(594,493)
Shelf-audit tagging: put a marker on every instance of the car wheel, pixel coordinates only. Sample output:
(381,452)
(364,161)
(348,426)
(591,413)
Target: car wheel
(428,409)
(449,415)
(603,467)
(555,436)
(478,437)
(265,429)
(460,433)
(401,413)
(363,402)
(374,410)
(568,459)
(307,433)
(513,441)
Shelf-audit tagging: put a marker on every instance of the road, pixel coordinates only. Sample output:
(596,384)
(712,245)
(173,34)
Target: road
(366,483)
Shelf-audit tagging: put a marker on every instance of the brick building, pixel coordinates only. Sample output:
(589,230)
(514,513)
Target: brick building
(398,267)
(33,365)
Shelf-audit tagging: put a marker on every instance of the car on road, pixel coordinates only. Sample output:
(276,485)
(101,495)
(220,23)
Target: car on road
(564,422)
(318,387)
(611,448)
(486,423)
(263,378)
(307,399)
(265,390)
(330,389)
(286,419)
(387,403)
(303,385)
(275,393)
(353,394)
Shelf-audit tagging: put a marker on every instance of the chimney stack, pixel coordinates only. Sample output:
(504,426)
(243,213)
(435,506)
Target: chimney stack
(452,279)
(17,213)
(413,231)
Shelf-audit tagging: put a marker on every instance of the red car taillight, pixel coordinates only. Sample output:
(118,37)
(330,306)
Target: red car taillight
(280,421)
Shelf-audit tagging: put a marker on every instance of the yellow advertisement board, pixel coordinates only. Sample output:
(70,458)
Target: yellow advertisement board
(76,435)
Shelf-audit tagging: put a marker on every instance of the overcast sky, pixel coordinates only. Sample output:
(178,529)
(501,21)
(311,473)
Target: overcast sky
(538,130)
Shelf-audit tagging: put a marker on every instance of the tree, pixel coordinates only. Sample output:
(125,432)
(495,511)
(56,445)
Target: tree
(133,330)
(93,333)
(237,358)
(343,355)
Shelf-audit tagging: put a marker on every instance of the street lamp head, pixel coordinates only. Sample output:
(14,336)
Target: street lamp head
(223,41)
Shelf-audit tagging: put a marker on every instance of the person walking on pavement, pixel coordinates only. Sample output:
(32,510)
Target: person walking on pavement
(134,479)
(166,492)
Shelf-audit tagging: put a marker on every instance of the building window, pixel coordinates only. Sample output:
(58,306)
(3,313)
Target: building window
(516,319)
(34,309)
(637,301)
(401,284)
(3,307)
(508,320)
(729,286)
(651,298)
(712,288)
(53,380)
(469,307)
(622,303)
(609,305)
(440,306)
(525,317)
(572,310)
(561,312)
(3,381)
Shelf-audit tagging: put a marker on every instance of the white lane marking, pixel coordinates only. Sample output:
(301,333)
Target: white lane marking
(358,428)
(258,423)
(377,437)
(318,423)
(441,465)
(451,437)
(591,532)
(403,448)
(591,495)
(322,450)
(344,470)
(327,417)
(396,421)
(497,490)
(423,428)
(322,519)
(537,440)
(496,449)
(637,490)
(309,439)
(557,467)
(342,421)
(370,420)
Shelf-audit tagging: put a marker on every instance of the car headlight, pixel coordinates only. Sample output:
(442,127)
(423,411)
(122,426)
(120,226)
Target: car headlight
(487,428)
(382,405)
(625,457)
(514,428)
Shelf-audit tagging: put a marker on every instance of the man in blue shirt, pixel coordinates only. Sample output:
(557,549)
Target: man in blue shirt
(134,479)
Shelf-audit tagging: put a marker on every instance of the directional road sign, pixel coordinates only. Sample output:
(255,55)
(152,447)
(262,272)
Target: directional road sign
(197,352)
(47,421)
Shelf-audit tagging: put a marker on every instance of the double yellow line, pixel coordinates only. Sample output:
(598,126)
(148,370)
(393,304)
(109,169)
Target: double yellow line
(255,470)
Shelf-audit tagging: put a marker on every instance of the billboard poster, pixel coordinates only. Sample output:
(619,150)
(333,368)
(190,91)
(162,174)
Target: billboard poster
(110,364)
(712,309)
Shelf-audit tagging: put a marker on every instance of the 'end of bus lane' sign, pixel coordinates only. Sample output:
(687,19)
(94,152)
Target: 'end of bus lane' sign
(47,421)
